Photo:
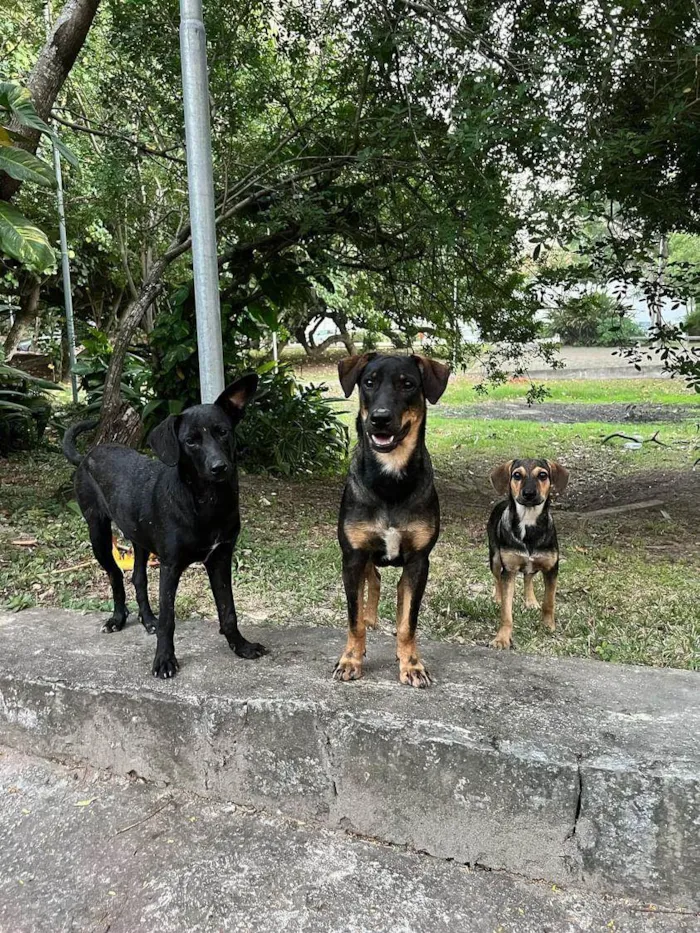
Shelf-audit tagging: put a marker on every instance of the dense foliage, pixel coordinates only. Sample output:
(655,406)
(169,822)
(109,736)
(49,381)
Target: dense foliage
(24,408)
(421,168)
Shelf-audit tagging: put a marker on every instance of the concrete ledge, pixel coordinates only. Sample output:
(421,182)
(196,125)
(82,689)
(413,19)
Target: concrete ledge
(566,770)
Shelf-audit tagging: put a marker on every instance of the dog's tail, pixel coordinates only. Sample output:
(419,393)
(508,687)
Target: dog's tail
(69,448)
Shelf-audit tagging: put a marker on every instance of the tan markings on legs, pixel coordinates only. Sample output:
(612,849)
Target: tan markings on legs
(349,667)
(362,535)
(496,571)
(417,535)
(513,560)
(550,590)
(411,669)
(530,598)
(374,582)
(505,632)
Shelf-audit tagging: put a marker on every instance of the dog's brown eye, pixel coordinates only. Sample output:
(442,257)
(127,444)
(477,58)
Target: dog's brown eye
(192,441)
(517,476)
(408,383)
(544,475)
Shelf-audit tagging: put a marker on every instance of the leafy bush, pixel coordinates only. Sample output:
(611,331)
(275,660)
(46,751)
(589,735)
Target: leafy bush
(692,323)
(592,320)
(24,409)
(290,428)
(91,369)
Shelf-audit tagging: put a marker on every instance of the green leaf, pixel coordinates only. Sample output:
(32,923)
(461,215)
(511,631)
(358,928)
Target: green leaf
(21,240)
(25,166)
(19,102)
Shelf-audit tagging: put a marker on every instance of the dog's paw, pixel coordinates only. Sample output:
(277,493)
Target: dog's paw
(114,624)
(415,675)
(549,623)
(249,650)
(150,623)
(531,604)
(347,668)
(165,666)
(502,640)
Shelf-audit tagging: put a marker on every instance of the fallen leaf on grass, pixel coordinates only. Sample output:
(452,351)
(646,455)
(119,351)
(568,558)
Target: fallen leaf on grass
(85,803)
(25,542)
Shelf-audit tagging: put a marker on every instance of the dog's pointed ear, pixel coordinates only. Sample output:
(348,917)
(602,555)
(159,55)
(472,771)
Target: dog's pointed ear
(164,442)
(434,375)
(559,475)
(500,477)
(236,396)
(350,369)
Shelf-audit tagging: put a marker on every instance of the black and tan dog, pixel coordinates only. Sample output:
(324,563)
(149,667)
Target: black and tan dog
(389,514)
(523,539)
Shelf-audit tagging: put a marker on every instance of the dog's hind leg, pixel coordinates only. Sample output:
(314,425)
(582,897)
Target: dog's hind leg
(530,598)
(101,540)
(349,666)
(218,566)
(374,583)
(140,580)
(496,571)
(410,595)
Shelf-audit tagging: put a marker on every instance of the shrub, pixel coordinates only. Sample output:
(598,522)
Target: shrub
(592,320)
(91,370)
(24,408)
(692,323)
(290,428)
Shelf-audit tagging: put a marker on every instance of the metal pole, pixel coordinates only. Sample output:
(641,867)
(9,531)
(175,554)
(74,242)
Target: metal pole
(65,267)
(65,261)
(275,354)
(200,181)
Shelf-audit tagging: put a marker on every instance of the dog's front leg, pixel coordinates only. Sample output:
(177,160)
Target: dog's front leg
(550,590)
(349,666)
(504,634)
(165,663)
(218,566)
(410,595)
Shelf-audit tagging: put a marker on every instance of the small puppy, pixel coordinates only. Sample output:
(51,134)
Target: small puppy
(182,507)
(522,537)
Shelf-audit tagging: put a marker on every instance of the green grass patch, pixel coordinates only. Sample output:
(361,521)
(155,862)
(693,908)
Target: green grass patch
(462,391)
(629,585)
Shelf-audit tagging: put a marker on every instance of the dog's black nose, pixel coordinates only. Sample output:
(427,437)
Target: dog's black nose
(380,417)
(218,468)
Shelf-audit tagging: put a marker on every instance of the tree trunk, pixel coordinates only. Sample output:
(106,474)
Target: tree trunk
(113,410)
(50,72)
(28,304)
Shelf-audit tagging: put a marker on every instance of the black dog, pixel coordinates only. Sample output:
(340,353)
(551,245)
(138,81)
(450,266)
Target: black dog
(523,539)
(183,508)
(389,514)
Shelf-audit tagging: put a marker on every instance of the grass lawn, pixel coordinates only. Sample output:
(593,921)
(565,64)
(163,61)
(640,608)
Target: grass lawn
(629,583)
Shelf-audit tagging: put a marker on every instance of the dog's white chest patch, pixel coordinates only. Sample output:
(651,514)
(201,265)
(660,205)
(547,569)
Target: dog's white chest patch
(392,543)
(528,515)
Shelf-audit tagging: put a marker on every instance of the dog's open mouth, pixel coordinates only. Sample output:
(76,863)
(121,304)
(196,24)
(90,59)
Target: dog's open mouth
(387,442)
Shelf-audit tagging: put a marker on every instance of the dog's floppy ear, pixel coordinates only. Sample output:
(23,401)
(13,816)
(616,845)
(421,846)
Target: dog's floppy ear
(236,396)
(559,474)
(435,376)
(163,441)
(350,369)
(500,477)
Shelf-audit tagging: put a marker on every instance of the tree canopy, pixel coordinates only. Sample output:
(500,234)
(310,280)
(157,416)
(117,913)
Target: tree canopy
(406,168)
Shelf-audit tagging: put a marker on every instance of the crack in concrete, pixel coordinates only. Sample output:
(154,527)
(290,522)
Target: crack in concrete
(579,797)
